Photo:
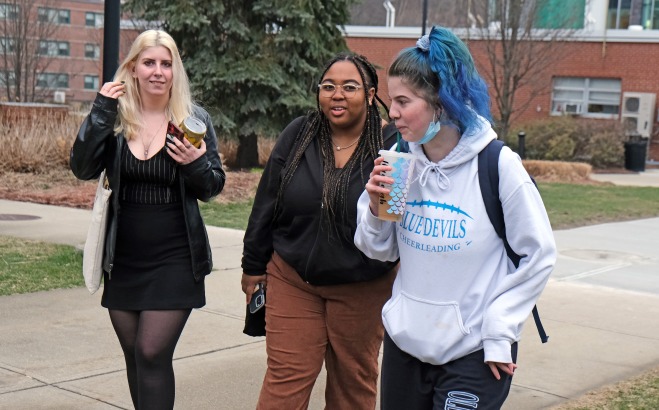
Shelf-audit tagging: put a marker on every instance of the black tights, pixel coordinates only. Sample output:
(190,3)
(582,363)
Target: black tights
(148,339)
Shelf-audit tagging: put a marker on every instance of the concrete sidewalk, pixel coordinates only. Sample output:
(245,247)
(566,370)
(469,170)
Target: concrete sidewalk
(58,349)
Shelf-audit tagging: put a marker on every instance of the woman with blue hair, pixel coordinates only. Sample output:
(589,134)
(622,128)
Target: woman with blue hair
(458,304)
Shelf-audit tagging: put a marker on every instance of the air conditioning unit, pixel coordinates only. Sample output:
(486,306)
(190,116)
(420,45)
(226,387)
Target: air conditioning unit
(637,114)
(59,97)
(571,108)
(568,108)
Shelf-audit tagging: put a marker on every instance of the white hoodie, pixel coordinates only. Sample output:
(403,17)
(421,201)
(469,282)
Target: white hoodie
(456,291)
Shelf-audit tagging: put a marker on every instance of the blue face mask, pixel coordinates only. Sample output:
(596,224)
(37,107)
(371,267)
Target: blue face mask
(435,126)
(431,132)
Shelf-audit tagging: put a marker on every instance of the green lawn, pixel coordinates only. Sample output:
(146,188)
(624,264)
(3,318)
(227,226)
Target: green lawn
(30,266)
(568,206)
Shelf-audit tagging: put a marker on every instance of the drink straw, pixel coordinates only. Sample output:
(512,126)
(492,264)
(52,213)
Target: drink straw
(398,141)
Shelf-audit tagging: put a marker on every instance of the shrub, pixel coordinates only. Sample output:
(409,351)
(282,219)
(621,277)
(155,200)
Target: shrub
(558,171)
(566,138)
(39,144)
(44,143)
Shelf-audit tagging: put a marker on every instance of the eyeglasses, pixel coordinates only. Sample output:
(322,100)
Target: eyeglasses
(328,89)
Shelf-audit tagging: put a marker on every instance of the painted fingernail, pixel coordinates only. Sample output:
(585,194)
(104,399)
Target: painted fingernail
(123,82)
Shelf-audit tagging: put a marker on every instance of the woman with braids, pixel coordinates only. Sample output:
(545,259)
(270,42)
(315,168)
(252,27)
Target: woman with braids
(458,304)
(324,297)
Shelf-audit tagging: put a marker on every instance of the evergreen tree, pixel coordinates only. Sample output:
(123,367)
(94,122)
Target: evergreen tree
(252,63)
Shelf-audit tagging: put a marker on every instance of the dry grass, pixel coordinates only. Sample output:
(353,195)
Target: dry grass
(640,392)
(558,171)
(37,145)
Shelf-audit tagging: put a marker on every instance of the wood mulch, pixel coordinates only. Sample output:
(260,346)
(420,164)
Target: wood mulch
(60,187)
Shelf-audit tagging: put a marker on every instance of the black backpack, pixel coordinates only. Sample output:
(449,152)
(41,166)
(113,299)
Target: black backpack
(488,178)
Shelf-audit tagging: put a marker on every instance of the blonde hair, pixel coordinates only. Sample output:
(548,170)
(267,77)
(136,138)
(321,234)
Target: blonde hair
(129,120)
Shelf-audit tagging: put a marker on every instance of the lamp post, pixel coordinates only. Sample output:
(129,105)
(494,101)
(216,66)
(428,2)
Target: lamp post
(425,17)
(110,39)
(521,145)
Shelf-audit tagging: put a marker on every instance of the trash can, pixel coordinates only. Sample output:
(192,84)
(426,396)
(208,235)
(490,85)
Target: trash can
(635,153)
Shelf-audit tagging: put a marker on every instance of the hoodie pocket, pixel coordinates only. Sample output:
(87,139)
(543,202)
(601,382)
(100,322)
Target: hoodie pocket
(430,331)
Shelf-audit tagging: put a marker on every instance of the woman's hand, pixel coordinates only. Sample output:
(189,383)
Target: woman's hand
(373,185)
(508,368)
(113,89)
(249,282)
(184,152)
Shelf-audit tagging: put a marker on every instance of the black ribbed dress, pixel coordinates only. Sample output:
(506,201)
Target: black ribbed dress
(152,267)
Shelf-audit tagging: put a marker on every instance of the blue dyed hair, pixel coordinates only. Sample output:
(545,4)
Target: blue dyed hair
(443,72)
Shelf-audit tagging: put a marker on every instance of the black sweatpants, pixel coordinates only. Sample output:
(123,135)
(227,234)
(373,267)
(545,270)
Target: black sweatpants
(465,383)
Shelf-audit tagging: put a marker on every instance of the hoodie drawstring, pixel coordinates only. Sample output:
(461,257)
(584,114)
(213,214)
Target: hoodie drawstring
(443,181)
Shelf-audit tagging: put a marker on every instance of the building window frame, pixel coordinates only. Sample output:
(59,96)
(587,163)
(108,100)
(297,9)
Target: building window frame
(624,13)
(94,19)
(587,97)
(9,11)
(52,80)
(54,48)
(3,45)
(92,51)
(9,76)
(54,15)
(91,82)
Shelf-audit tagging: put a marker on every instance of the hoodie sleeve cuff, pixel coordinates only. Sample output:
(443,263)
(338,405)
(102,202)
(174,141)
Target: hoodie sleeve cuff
(373,223)
(497,351)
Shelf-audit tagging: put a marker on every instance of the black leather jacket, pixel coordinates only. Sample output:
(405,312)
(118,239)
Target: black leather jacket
(97,147)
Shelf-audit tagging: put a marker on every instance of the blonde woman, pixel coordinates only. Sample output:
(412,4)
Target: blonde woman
(157,252)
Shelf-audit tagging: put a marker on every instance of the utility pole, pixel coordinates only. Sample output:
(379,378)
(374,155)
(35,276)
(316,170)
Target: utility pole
(111,39)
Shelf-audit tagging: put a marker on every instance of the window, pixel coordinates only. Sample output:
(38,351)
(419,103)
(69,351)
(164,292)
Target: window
(53,80)
(9,11)
(92,51)
(57,16)
(623,13)
(54,48)
(546,14)
(7,45)
(556,14)
(8,78)
(588,97)
(91,82)
(93,19)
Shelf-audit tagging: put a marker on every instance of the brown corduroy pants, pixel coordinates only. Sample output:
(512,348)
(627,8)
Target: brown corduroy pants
(306,325)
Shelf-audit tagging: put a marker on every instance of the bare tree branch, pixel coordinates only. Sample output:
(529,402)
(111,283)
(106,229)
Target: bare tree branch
(519,49)
(23,30)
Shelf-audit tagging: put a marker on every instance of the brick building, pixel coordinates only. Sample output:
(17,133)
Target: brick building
(68,39)
(608,71)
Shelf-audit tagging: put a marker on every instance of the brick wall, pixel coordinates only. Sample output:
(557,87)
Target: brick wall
(635,64)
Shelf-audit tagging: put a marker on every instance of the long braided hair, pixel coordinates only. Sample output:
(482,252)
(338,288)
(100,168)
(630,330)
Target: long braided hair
(316,126)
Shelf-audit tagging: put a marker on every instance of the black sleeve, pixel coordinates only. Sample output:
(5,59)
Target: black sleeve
(204,177)
(257,243)
(86,158)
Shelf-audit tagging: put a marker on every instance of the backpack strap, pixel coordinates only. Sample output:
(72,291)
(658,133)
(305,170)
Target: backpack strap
(488,178)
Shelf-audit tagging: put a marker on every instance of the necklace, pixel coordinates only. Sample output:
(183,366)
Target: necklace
(347,146)
(146,147)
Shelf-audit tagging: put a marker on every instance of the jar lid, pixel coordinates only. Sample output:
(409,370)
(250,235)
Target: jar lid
(194,126)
